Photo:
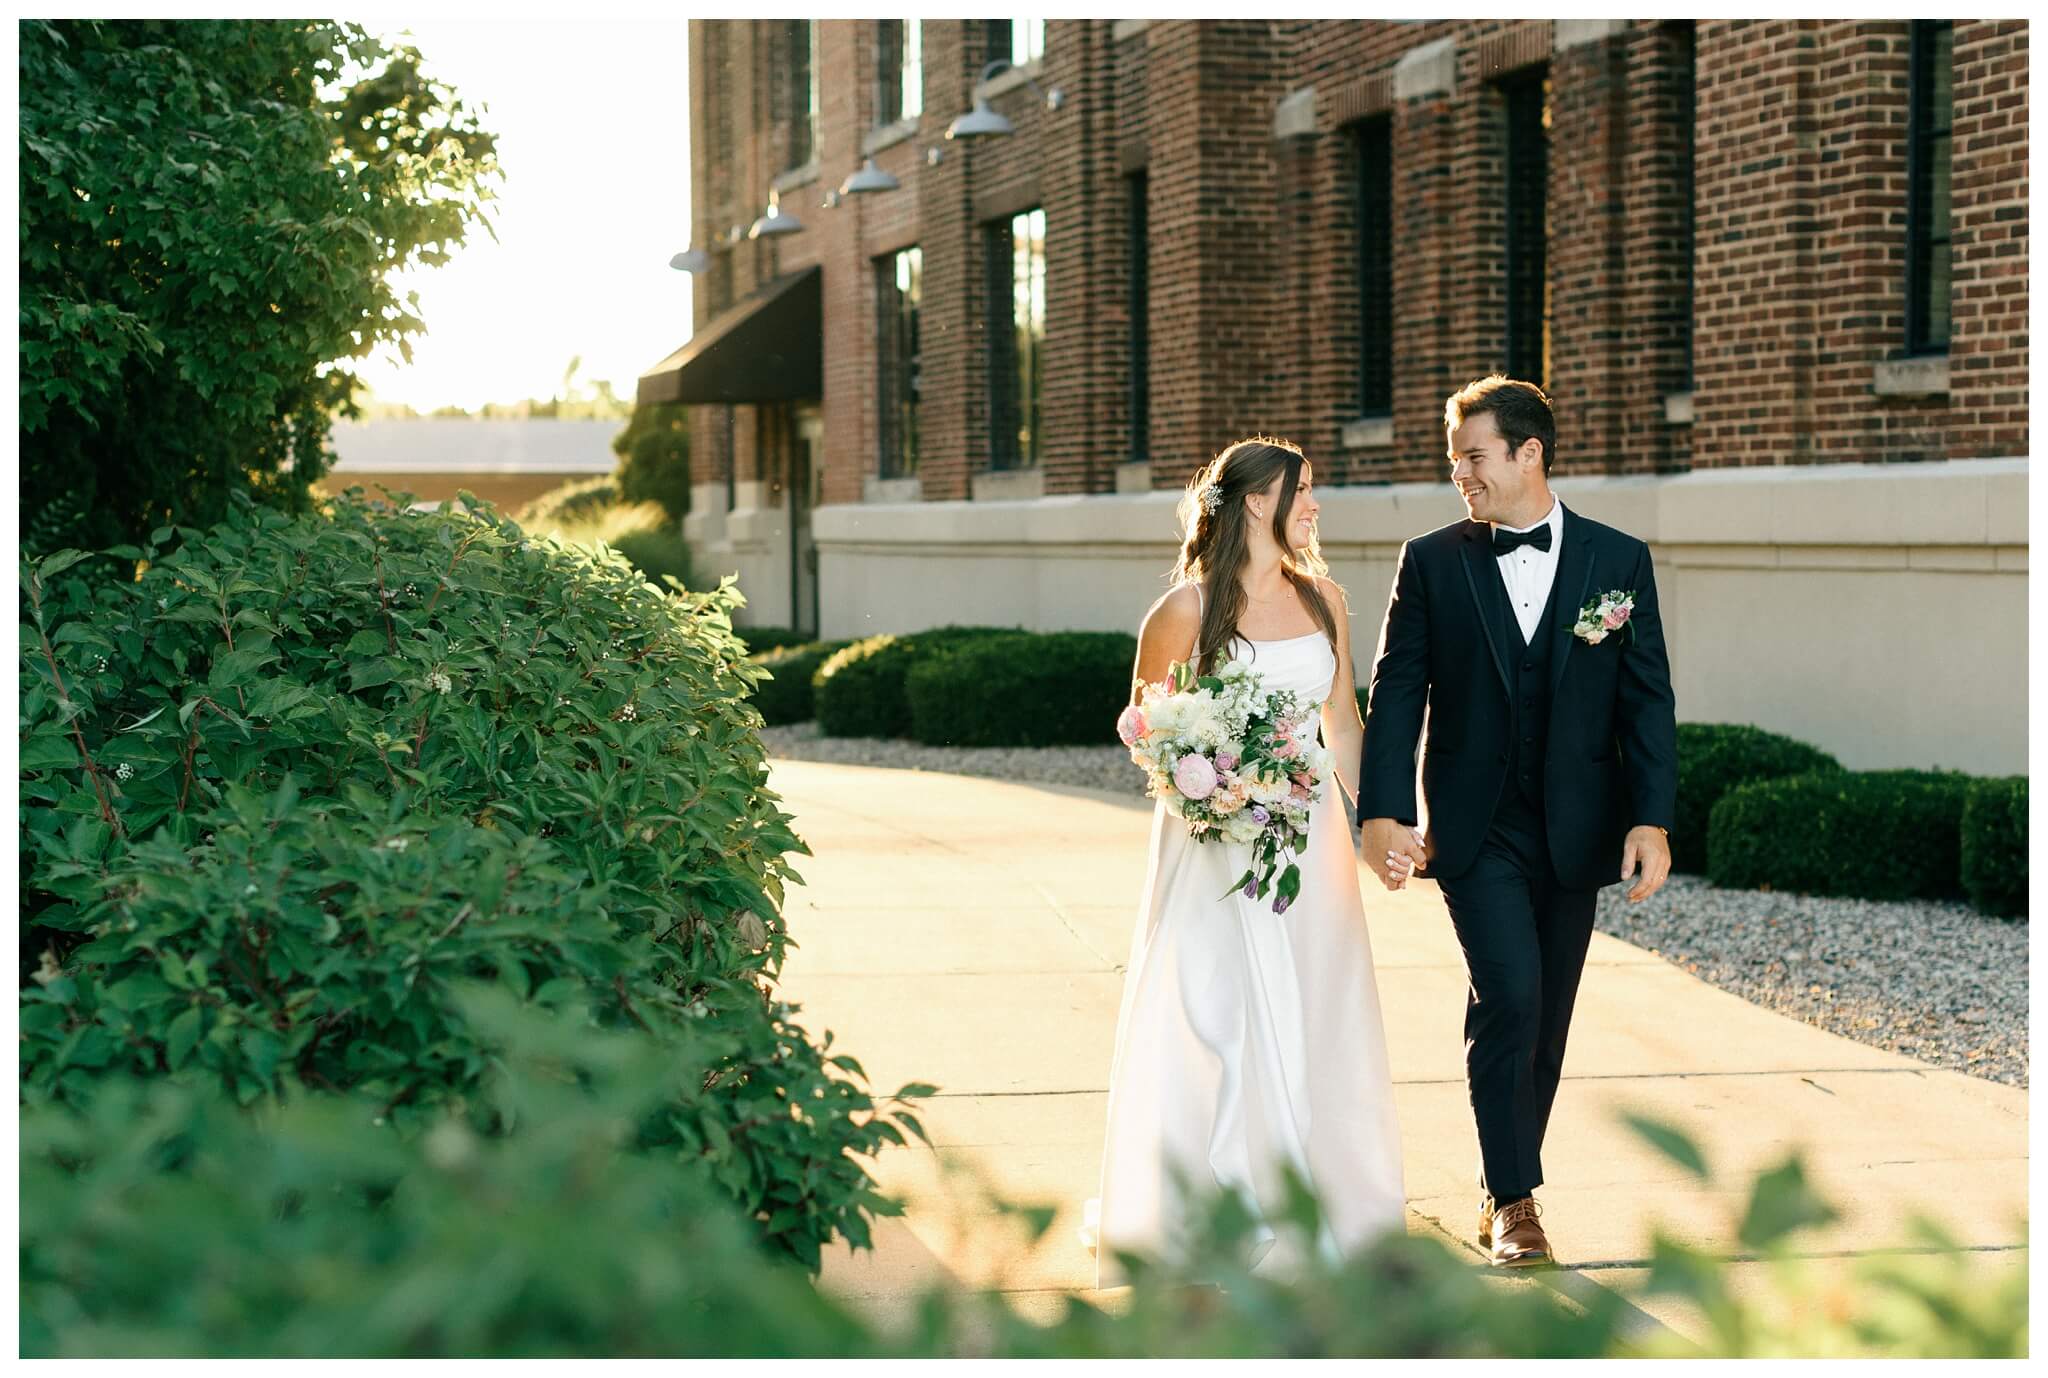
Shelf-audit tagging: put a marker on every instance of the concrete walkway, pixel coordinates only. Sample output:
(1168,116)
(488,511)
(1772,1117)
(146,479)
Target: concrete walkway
(972,934)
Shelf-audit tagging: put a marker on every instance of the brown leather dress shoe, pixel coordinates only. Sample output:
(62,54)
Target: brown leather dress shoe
(1517,1240)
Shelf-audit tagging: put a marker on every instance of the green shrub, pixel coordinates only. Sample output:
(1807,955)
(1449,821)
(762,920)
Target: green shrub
(860,689)
(1881,834)
(1714,758)
(288,787)
(759,639)
(177,346)
(1995,845)
(784,695)
(654,457)
(1030,689)
(160,1221)
(658,553)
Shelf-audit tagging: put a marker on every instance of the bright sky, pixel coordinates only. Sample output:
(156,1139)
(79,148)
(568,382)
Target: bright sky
(593,123)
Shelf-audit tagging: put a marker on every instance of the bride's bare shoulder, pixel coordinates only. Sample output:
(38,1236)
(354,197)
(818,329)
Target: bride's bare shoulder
(1178,613)
(1334,592)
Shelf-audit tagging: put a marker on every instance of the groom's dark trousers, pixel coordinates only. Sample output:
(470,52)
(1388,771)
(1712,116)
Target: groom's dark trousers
(1528,797)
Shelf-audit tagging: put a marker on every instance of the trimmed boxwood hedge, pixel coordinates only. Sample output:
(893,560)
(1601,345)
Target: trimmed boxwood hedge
(1881,834)
(1714,758)
(1050,689)
(785,697)
(1994,853)
(859,689)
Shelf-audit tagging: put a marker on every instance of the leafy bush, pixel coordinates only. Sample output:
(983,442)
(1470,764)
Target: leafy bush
(215,217)
(1714,758)
(659,553)
(1995,845)
(1030,689)
(1881,834)
(654,457)
(160,1221)
(784,695)
(860,689)
(286,788)
(759,639)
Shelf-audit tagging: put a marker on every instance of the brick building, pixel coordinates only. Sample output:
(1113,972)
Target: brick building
(1759,265)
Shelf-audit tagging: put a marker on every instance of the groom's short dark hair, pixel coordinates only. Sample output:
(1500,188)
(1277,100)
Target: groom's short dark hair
(1520,412)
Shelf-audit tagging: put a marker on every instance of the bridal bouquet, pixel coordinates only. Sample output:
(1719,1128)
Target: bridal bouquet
(1238,762)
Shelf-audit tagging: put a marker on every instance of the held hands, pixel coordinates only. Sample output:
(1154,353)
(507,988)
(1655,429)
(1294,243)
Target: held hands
(1646,845)
(1392,849)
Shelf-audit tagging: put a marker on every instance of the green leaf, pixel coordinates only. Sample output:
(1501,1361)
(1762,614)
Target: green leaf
(1670,1141)
(49,750)
(56,564)
(1780,1203)
(368,674)
(181,1037)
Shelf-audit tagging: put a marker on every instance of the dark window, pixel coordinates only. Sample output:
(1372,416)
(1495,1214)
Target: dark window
(899,70)
(1526,106)
(898,288)
(1373,168)
(1138,189)
(1015,250)
(1927,176)
(801,35)
(1015,41)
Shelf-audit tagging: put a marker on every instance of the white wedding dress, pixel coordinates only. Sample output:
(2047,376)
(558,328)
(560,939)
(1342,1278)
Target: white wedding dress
(1249,1039)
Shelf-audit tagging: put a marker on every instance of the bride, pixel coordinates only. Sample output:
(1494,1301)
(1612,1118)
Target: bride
(1249,1041)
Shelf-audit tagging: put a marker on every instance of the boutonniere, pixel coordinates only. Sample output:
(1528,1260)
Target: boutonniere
(1607,613)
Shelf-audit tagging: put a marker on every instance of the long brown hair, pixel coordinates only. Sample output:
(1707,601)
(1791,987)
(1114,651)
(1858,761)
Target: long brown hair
(1216,545)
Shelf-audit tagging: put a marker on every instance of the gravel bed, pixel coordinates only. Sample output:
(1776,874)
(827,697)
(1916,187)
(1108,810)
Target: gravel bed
(1932,980)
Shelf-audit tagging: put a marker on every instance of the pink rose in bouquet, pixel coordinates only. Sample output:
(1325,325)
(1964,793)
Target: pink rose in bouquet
(1194,777)
(1616,616)
(1130,724)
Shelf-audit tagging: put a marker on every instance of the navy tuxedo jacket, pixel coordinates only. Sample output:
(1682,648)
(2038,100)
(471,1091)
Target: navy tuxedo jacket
(1612,754)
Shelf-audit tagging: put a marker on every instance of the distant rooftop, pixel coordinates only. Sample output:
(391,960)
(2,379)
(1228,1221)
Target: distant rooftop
(451,445)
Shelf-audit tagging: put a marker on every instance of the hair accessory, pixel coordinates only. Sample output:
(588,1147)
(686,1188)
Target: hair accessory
(1212,497)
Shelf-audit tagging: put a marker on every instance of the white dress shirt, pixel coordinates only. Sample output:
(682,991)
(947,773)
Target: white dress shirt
(1529,572)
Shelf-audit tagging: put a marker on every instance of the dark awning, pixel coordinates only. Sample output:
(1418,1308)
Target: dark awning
(768,348)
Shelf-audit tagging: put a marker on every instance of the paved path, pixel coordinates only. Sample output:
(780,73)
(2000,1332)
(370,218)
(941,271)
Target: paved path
(972,934)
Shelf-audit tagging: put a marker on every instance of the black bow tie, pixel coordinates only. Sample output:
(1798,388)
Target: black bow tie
(1505,541)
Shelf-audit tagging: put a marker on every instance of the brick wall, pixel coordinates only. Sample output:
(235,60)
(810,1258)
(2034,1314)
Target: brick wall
(1988,353)
(1797,274)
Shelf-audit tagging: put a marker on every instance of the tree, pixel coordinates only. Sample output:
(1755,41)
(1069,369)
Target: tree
(654,458)
(211,212)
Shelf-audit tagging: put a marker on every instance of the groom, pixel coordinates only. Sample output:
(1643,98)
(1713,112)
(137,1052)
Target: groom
(1531,637)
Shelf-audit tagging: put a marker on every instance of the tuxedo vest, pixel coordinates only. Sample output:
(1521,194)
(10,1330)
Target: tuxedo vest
(1528,666)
